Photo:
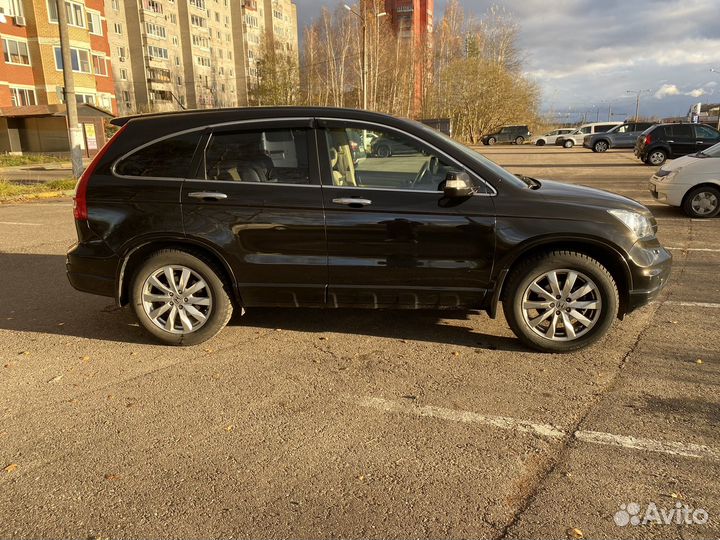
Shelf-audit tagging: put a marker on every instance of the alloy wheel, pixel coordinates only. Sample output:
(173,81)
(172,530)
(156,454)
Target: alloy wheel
(562,305)
(177,299)
(657,158)
(601,146)
(704,203)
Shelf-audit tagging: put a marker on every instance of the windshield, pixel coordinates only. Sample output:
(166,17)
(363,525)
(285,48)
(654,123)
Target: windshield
(713,151)
(472,154)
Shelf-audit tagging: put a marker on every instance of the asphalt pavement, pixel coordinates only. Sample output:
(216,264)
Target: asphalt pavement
(359,424)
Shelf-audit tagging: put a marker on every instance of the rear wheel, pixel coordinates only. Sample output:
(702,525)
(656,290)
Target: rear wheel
(520,140)
(702,202)
(656,157)
(561,301)
(540,142)
(180,298)
(601,146)
(569,143)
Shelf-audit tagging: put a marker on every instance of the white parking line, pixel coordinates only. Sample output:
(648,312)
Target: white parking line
(691,304)
(19,223)
(543,430)
(502,422)
(709,250)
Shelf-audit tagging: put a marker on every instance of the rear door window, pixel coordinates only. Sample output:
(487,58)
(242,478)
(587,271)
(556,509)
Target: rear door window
(273,156)
(604,127)
(170,157)
(682,131)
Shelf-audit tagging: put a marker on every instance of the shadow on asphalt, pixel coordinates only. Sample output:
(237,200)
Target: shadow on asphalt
(37,297)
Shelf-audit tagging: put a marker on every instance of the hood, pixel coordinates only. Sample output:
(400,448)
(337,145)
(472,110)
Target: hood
(679,163)
(585,196)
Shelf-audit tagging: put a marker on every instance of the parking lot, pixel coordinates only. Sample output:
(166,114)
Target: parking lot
(357,423)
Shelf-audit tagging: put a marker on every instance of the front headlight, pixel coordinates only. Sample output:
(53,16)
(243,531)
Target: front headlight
(639,224)
(666,176)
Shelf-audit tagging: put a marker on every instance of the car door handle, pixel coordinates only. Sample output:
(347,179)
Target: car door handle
(349,201)
(208,195)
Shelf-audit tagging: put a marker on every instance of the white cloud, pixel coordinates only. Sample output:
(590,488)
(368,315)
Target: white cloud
(696,93)
(667,90)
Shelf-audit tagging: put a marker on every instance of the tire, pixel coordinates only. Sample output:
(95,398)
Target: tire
(656,157)
(211,301)
(569,143)
(491,141)
(702,202)
(601,146)
(540,142)
(383,151)
(520,140)
(600,302)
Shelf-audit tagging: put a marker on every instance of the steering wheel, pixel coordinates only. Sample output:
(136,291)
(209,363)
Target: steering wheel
(430,167)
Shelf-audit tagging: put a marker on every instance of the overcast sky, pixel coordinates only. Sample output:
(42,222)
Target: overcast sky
(589,52)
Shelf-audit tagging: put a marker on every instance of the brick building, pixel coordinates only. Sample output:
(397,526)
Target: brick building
(31,64)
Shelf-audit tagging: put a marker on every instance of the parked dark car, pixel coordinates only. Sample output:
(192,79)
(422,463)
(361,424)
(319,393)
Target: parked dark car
(388,145)
(187,216)
(508,134)
(623,136)
(670,141)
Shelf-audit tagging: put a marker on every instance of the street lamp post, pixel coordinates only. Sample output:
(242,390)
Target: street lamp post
(713,70)
(637,94)
(364,75)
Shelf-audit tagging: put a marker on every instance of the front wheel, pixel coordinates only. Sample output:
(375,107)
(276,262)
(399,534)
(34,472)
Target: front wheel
(569,143)
(180,298)
(492,140)
(560,302)
(601,146)
(540,142)
(702,202)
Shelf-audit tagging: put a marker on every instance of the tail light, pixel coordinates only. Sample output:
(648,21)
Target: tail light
(648,140)
(80,210)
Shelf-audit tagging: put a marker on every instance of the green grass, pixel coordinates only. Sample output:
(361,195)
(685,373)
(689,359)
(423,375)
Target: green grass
(7,160)
(9,190)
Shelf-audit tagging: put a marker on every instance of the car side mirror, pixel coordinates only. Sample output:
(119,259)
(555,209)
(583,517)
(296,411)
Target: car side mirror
(457,185)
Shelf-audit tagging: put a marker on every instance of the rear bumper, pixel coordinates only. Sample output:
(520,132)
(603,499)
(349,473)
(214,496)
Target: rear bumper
(92,269)
(650,267)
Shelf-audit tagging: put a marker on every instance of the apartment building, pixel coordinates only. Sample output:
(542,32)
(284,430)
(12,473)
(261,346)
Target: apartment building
(274,20)
(31,63)
(117,36)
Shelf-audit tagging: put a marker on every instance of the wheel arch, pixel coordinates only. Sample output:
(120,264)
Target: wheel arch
(606,254)
(135,255)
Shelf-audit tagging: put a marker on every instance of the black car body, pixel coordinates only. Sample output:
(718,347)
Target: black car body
(508,134)
(670,141)
(267,207)
(623,136)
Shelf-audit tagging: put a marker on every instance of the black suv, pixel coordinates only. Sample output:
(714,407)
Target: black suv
(185,216)
(669,141)
(508,134)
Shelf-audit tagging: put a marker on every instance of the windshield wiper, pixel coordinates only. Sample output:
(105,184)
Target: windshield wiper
(531,182)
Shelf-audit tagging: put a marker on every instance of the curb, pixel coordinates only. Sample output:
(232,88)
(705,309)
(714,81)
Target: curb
(36,196)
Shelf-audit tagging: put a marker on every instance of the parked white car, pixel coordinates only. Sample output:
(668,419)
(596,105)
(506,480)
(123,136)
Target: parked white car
(577,136)
(691,182)
(551,136)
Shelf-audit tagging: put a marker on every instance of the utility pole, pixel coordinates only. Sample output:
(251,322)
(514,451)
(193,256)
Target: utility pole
(74,133)
(717,71)
(637,94)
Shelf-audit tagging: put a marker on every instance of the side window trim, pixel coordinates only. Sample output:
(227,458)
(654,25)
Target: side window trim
(323,157)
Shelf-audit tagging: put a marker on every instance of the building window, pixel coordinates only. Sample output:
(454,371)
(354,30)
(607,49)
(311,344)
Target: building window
(75,13)
(126,97)
(123,74)
(156,31)
(80,60)
(177,60)
(22,97)
(99,65)
(94,23)
(115,4)
(153,5)
(173,18)
(121,53)
(202,61)
(200,41)
(85,98)
(196,20)
(15,52)
(175,40)
(157,53)
(198,3)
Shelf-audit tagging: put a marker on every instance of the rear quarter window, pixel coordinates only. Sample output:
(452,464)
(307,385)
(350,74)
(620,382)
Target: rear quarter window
(167,158)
